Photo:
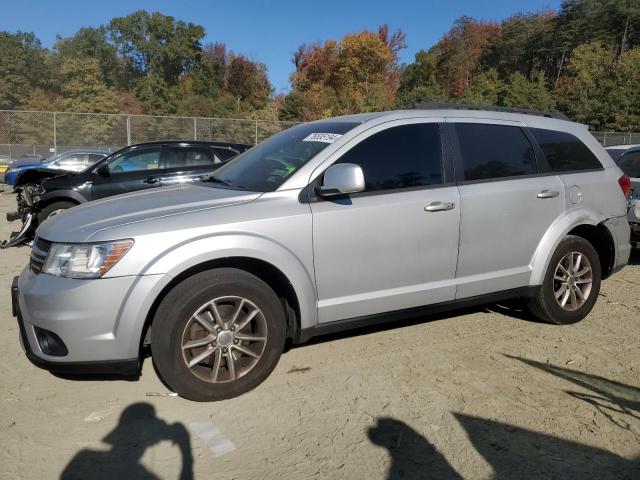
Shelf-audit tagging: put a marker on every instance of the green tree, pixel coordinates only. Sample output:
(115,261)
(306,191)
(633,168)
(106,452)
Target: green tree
(521,92)
(93,43)
(419,81)
(83,90)
(156,44)
(22,68)
(484,89)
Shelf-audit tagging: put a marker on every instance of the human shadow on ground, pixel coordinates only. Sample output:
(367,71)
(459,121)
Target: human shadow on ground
(511,452)
(610,397)
(412,456)
(137,430)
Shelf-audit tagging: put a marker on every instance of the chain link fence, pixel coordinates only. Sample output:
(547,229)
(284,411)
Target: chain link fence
(608,139)
(26,133)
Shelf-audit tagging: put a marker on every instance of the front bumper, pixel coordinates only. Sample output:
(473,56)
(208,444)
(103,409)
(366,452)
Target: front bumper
(99,321)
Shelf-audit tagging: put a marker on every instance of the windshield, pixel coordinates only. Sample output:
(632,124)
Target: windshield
(267,165)
(629,163)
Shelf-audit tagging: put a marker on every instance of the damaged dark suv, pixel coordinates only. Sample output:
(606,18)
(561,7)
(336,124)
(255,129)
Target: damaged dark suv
(43,192)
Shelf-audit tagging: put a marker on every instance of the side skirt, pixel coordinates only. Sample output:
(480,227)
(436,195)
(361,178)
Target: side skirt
(394,316)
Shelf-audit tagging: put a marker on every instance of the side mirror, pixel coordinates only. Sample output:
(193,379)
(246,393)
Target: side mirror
(103,170)
(341,179)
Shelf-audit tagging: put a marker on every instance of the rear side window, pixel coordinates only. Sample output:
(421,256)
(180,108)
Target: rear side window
(399,157)
(629,163)
(565,152)
(494,151)
(184,157)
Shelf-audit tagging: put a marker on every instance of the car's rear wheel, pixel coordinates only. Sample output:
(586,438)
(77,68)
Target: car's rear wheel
(571,284)
(218,334)
(49,210)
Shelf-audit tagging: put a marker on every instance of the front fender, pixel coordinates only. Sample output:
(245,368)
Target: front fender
(61,195)
(178,258)
(554,235)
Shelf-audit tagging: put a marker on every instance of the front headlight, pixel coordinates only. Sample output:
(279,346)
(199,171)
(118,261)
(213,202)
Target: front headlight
(90,260)
(11,170)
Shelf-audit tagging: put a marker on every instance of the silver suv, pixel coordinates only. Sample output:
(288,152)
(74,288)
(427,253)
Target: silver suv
(326,226)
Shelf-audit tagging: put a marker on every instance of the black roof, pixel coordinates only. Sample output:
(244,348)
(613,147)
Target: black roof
(489,108)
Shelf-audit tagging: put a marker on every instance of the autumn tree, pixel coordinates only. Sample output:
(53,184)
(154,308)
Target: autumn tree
(460,52)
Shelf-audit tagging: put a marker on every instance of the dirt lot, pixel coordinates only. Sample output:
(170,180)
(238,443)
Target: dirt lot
(483,393)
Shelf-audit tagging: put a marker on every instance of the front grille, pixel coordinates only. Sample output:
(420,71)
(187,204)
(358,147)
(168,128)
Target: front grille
(39,253)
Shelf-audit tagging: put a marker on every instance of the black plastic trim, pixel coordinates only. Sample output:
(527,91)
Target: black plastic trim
(394,316)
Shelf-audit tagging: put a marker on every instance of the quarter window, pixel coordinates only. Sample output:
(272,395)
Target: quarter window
(565,152)
(494,151)
(399,157)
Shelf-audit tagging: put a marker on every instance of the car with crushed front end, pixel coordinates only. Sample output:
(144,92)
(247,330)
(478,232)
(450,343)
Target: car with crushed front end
(41,192)
(326,226)
(74,160)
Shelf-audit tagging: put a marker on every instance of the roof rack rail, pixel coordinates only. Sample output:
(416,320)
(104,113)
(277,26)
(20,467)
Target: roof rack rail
(490,108)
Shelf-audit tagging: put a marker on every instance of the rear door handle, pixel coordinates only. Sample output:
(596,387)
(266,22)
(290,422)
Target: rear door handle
(548,194)
(151,180)
(439,206)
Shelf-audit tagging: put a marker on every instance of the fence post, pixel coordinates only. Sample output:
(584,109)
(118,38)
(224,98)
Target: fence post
(195,128)
(256,137)
(55,135)
(604,140)
(128,129)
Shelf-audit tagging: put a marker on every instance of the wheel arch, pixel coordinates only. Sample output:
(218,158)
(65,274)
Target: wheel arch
(61,196)
(582,223)
(264,270)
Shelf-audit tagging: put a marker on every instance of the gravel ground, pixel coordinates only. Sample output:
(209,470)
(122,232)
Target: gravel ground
(474,394)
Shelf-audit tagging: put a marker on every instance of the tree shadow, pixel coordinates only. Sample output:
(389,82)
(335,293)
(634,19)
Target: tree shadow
(412,456)
(515,452)
(137,430)
(612,397)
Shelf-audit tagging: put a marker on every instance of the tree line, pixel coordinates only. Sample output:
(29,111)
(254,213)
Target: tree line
(583,60)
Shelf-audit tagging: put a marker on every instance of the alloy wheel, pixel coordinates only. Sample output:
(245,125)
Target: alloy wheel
(572,281)
(224,339)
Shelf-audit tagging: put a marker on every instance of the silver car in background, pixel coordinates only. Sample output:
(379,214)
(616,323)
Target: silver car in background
(628,159)
(326,226)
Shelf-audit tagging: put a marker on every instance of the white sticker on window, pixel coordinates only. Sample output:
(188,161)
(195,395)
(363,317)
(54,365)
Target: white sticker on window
(322,137)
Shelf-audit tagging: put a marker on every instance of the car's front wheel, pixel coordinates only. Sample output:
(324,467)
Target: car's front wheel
(571,284)
(218,334)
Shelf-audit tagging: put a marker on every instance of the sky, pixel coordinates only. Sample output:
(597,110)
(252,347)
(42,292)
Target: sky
(268,31)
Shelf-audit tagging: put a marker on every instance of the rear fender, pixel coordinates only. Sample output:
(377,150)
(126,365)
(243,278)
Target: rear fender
(554,235)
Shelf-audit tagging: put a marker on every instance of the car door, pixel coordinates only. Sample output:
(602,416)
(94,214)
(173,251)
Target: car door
(186,163)
(135,169)
(393,246)
(507,205)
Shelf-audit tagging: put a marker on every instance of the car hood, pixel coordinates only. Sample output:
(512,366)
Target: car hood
(80,223)
(25,162)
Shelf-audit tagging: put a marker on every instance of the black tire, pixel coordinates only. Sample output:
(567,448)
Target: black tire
(49,209)
(545,306)
(174,312)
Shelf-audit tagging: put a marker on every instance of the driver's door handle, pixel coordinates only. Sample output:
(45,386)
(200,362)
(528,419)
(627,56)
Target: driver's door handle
(439,206)
(151,180)
(548,194)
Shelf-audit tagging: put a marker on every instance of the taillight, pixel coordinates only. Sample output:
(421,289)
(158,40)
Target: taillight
(625,184)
